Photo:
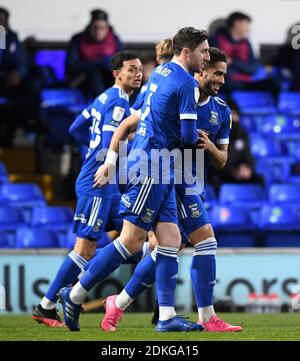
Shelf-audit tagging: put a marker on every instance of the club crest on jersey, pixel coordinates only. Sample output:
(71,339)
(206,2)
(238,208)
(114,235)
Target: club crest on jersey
(214,120)
(195,212)
(118,114)
(148,217)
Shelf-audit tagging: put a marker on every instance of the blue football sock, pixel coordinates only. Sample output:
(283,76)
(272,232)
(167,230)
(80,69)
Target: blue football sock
(66,275)
(166,270)
(203,271)
(107,260)
(142,278)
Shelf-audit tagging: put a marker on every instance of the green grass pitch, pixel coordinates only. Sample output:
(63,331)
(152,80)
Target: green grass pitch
(137,327)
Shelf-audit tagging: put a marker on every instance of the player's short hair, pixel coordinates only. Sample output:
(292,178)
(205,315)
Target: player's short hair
(237,16)
(188,37)
(164,50)
(116,62)
(99,14)
(4,12)
(216,55)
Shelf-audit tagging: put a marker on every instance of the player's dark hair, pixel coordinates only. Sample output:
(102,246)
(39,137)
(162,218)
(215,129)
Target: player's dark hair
(216,55)
(4,12)
(188,37)
(236,16)
(116,62)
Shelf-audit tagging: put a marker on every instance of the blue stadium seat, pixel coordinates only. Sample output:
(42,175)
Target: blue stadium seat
(36,238)
(281,127)
(233,227)
(274,169)
(68,99)
(280,226)
(54,58)
(262,147)
(55,218)
(24,196)
(3,173)
(289,103)
(285,193)
(251,197)
(59,109)
(10,220)
(254,102)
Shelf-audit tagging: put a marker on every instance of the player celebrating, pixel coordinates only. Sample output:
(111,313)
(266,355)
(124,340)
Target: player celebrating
(168,116)
(214,120)
(95,206)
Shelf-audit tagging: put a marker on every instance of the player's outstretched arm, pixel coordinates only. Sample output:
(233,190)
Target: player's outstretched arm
(106,170)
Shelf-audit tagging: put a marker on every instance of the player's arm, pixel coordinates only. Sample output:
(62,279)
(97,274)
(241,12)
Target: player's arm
(80,128)
(107,169)
(217,153)
(187,112)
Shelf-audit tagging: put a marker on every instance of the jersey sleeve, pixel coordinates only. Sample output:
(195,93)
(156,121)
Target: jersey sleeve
(115,113)
(188,97)
(140,98)
(223,134)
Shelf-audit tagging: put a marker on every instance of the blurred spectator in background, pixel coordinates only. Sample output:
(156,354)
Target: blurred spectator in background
(13,71)
(240,166)
(242,64)
(149,63)
(289,55)
(89,53)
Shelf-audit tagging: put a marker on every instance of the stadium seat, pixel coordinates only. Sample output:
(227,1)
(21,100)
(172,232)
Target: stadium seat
(52,57)
(262,147)
(251,197)
(59,107)
(10,220)
(254,102)
(280,226)
(289,103)
(70,99)
(3,173)
(281,127)
(24,196)
(57,219)
(285,193)
(274,169)
(233,227)
(36,238)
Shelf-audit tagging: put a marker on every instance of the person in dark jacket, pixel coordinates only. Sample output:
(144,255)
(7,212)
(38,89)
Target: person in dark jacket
(242,63)
(13,71)
(89,53)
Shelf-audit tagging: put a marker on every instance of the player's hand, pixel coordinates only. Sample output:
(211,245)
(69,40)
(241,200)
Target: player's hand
(204,142)
(103,175)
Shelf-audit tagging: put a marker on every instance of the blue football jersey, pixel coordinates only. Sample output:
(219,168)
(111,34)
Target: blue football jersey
(140,98)
(171,96)
(213,117)
(106,113)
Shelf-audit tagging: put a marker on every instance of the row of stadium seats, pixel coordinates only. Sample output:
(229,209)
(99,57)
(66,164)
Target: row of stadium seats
(275,226)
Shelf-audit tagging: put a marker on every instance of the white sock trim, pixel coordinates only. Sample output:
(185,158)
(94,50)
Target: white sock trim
(167,251)
(121,248)
(206,247)
(205,313)
(123,300)
(154,254)
(47,304)
(78,294)
(166,312)
(77,259)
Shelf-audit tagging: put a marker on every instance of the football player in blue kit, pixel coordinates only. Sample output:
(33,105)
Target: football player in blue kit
(214,123)
(168,117)
(94,127)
